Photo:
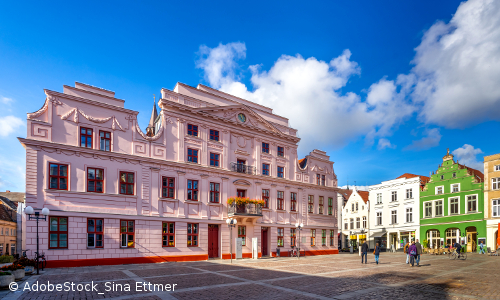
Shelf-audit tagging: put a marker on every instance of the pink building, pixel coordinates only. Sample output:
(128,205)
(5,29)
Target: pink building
(119,195)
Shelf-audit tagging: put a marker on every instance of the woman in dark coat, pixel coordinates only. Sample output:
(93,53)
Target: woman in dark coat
(376,252)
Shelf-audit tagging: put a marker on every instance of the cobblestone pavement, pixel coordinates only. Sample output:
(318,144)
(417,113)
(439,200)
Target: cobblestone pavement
(320,277)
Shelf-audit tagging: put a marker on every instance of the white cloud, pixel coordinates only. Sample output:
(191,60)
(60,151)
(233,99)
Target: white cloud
(467,155)
(305,89)
(358,187)
(9,124)
(431,139)
(457,67)
(385,143)
(6,100)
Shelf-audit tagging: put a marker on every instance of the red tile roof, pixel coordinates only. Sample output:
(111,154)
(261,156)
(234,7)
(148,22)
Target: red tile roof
(364,195)
(475,172)
(6,214)
(303,162)
(409,175)
(346,193)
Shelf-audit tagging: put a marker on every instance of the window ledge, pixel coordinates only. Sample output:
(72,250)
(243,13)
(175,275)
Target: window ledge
(191,201)
(94,248)
(212,203)
(167,199)
(88,193)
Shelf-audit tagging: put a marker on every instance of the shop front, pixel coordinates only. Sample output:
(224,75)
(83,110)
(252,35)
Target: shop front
(406,237)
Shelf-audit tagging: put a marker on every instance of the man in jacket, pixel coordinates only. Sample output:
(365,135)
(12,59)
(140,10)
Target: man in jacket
(405,250)
(419,251)
(364,252)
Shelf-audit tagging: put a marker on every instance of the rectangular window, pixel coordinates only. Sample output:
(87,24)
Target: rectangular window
(455,188)
(310,204)
(394,196)
(293,237)
(293,201)
(379,218)
(281,200)
(281,172)
(318,179)
(379,198)
(127,232)
(394,217)
(192,235)
(346,226)
(358,223)
(192,130)
(409,194)
(242,234)
(320,204)
(105,140)
(495,183)
(428,209)
(439,208)
(214,192)
(126,183)
(58,176)
(495,208)
(214,135)
(214,160)
(471,204)
(168,187)
(265,169)
(352,223)
(439,190)
(265,148)
(58,233)
(323,180)
(454,206)
(192,155)
(281,151)
(265,197)
(332,237)
(85,137)
(357,206)
(323,237)
(281,233)
(168,234)
(313,237)
(497,168)
(364,222)
(409,215)
(330,206)
(95,180)
(193,190)
(95,233)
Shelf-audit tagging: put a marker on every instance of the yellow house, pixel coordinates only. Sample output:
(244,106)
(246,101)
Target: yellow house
(8,231)
(492,199)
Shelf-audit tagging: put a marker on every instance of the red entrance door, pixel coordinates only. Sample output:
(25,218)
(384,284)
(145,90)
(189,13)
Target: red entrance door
(213,240)
(263,242)
(241,193)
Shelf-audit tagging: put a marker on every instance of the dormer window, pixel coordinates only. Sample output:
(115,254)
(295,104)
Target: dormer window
(192,130)
(265,147)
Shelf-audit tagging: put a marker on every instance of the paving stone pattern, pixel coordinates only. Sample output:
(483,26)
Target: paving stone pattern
(339,276)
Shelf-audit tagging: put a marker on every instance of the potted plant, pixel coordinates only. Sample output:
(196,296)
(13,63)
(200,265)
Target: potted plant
(15,269)
(6,278)
(29,264)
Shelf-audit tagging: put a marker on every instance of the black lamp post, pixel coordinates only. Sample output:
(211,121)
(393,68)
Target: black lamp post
(299,228)
(45,212)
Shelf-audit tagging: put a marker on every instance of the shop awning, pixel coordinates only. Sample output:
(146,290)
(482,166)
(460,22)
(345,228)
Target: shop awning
(378,234)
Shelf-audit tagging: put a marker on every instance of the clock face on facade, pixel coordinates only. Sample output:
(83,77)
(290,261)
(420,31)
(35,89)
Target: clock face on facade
(242,117)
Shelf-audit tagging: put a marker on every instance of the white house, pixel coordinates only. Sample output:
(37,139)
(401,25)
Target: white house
(394,211)
(354,215)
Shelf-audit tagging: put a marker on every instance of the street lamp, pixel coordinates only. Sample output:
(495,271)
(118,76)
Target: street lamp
(231,223)
(29,211)
(299,228)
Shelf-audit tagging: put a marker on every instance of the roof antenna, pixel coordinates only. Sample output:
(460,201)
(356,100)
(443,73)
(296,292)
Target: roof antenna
(347,183)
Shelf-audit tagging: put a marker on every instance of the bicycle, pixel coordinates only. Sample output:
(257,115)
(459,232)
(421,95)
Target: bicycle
(293,252)
(454,255)
(24,252)
(42,262)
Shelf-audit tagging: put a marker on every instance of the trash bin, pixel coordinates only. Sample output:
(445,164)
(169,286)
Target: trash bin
(278,252)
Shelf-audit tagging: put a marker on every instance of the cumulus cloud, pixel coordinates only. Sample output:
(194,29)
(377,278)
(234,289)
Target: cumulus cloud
(385,143)
(467,155)
(457,67)
(431,139)
(9,124)
(305,89)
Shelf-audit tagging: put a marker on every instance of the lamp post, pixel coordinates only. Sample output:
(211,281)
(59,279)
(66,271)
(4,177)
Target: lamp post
(45,212)
(299,228)
(231,223)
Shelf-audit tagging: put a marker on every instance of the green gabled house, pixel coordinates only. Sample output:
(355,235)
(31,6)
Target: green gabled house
(451,206)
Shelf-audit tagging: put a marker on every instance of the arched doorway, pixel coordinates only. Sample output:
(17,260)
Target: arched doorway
(471,234)
(434,238)
(452,236)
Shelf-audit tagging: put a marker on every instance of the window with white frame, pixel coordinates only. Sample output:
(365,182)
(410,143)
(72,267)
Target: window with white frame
(352,209)
(439,190)
(495,207)
(352,223)
(497,168)
(455,188)
(495,183)
(428,209)
(409,214)
(364,222)
(409,194)
(358,223)
(471,204)
(394,217)
(346,225)
(357,206)
(379,198)
(379,218)
(454,206)
(394,196)
(439,208)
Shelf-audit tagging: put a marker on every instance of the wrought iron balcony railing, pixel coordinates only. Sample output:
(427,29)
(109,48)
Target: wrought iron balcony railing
(241,168)
(244,210)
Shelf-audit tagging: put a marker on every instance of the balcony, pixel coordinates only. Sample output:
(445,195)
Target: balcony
(247,210)
(241,168)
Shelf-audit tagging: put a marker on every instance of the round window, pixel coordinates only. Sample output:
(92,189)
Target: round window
(242,117)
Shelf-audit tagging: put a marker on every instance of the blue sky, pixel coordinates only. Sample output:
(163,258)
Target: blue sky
(383,86)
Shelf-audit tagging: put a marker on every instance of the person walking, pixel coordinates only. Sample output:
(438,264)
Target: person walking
(419,251)
(412,252)
(376,252)
(481,248)
(405,250)
(364,252)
